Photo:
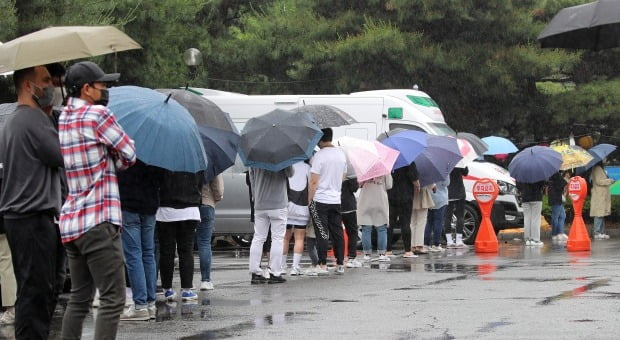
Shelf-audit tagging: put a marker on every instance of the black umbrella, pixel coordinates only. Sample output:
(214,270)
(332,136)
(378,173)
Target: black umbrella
(327,116)
(593,26)
(480,146)
(220,137)
(278,139)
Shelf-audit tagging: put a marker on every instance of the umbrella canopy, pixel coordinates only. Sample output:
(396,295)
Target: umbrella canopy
(467,151)
(6,112)
(164,132)
(499,145)
(573,156)
(61,44)
(409,143)
(480,146)
(278,139)
(593,26)
(326,115)
(438,159)
(220,137)
(369,159)
(535,164)
(598,153)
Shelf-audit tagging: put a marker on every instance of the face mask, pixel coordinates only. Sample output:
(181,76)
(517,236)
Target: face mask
(105,97)
(57,100)
(45,100)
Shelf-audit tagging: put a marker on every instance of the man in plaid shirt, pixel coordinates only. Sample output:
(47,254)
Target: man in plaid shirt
(93,146)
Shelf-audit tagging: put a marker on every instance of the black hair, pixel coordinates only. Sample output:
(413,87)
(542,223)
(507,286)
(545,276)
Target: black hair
(328,134)
(56,69)
(20,75)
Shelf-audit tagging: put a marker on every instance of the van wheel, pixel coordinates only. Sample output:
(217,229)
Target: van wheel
(244,240)
(471,222)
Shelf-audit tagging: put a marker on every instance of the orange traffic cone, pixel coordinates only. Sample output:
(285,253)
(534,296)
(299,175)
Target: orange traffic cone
(578,238)
(485,192)
(486,241)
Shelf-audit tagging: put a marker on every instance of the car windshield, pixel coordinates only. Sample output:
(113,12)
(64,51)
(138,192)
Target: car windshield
(442,129)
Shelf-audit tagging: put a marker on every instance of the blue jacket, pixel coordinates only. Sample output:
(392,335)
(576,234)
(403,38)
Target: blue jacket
(440,196)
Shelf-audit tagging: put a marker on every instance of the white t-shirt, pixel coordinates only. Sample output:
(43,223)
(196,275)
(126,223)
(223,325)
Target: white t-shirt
(330,164)
(167,214)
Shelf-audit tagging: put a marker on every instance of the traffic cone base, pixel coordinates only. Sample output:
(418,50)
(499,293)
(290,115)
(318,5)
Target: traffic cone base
(578,238)
(486,241)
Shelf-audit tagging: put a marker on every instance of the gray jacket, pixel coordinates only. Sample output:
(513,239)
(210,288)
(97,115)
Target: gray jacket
(372,206)
(270,188)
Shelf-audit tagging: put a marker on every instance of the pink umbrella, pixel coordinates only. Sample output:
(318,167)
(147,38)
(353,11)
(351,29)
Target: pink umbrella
(467,151)
(369,159)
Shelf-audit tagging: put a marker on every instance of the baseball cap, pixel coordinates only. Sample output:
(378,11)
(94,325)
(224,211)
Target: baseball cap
(86,72)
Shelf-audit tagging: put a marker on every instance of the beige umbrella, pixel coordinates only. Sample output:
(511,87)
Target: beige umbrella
(62,43)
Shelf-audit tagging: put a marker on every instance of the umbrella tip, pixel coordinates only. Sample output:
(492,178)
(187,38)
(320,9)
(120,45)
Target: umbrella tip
(168,98)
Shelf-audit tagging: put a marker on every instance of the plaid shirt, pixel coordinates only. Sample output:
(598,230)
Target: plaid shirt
(93,144)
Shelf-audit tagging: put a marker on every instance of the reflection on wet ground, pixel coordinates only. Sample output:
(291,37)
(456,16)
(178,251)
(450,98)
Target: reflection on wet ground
(575,292)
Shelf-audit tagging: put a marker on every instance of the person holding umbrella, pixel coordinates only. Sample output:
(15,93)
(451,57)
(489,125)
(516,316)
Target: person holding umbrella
(94,146)
(373,211)
(531,196)
(600,202)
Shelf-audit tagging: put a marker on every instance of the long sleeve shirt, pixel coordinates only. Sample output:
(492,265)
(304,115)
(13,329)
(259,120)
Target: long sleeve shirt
(93,146)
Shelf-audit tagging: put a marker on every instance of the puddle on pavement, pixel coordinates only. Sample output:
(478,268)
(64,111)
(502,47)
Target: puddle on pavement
(489,327)
(231,303)
(276,319)
(575,292)
(339,300)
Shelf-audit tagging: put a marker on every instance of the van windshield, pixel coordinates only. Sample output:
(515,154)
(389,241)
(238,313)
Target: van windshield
(442,129)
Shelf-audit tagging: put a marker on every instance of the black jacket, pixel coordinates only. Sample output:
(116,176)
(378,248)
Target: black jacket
(347,197)
(531,192)
(456,189)
(556,189)
(181,190)
(402,187)
(139,188)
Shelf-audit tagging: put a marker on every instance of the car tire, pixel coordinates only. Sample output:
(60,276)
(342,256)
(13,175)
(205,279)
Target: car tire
(471,223)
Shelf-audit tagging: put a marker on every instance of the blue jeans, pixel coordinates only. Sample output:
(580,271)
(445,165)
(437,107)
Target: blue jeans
(381,238)
(138,238)
(558,217)
(203,238)
(434,225)
(599,225)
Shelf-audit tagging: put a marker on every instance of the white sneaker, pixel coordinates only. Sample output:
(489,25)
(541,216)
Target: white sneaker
(384,258)
(598,236)
(340,269)
(366,257)
(437,249)
(296,271)
(7,318)
(563,236)
(311,271)
(528,242)
(320,271)
(152,308)
(206,285)
(460,245)
(133,314)
(353,263)
(605,236)
(555,238)
(537,243)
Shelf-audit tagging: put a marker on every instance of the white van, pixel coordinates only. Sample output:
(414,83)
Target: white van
(376,112)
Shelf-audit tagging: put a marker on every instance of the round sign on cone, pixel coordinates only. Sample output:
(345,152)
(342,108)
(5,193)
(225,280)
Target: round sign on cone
(485,192)
(578,238)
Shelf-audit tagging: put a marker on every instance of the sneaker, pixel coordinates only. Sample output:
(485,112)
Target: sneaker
(598,236)
(258,279)
(436,249)
(152,308)
(340,269)
(133,314)
(537,243)
(296,271)
(563,236)
(276,279)
(409,255)
(420,251)
(555,238)
(605,236)
(353,263)
(528,242)
(366,257)
(189,295)
(206,285)
(321,271)
(170,295)
(7,318)
(389,254)
(384,258)
(266,273)
(460,245)
(311,271)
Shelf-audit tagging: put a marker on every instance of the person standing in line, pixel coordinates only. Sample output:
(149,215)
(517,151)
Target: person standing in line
(298,215)
(422,202)
(531,197)
(93,147)
(270,214)
(329,166)
(600,201)
(401,205)
(8,285)
(311,246)
(212,192)
(456,207)
(556,193)
(30,199)
(139,191)
(373,211)
(349,218)
(177,218)
(436,215)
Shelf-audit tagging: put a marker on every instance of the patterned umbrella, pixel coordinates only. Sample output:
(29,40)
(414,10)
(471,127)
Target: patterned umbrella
(327,116)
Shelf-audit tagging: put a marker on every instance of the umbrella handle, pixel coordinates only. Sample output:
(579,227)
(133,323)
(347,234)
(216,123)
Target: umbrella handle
(168,98)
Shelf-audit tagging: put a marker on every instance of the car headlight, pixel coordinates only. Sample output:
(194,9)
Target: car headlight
(506,188)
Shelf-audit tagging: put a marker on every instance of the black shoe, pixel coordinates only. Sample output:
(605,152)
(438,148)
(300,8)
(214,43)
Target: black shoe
(276,279)
(258,279)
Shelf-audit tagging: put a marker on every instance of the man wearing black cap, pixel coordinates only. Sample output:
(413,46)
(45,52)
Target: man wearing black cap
(93,146)
(29,200)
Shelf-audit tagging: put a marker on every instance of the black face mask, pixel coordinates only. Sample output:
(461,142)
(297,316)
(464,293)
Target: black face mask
(105,97)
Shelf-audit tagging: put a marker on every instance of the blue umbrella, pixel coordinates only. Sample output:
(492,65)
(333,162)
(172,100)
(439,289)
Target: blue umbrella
(164,133)
(598,152)
(499,145)
(535,164)
(410,144)
(438,159)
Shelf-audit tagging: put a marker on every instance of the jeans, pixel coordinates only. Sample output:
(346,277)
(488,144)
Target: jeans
(381,238)
(7,274)
(177,236)
(203,238)
(434,226)
(350,224)
(599,225)
(138,238)
(265,221)
(400,215)
(456,208)
(95,261)
(33,242)
(558,217)
(327,223)
(531,220)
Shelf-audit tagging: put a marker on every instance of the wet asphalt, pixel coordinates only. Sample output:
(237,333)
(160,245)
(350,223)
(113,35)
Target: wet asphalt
(518,293)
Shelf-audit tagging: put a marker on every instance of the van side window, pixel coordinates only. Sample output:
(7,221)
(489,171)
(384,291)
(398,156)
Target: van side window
(406,127)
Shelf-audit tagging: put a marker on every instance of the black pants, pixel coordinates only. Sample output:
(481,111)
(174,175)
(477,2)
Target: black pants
(177,236)
(400,216)
(33,241)
(61,267)
(456,208)
(350,224)
(327,222)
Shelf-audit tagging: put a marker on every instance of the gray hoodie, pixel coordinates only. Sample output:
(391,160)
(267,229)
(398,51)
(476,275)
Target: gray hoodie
(269,188)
